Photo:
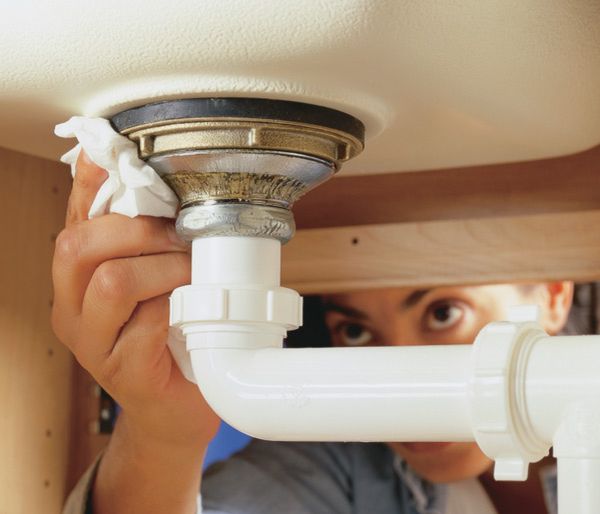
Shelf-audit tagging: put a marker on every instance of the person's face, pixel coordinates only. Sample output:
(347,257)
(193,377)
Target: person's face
(446,315)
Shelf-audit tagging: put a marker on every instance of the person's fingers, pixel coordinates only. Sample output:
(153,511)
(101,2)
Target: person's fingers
(143,340)
(142,357)
(87,182)
(81,248)
(116,288)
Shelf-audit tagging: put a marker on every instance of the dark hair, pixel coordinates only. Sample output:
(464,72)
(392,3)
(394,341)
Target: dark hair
(314,332)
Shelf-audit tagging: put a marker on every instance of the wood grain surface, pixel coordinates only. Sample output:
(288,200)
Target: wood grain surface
(35,369)
(466,251)
(564,184)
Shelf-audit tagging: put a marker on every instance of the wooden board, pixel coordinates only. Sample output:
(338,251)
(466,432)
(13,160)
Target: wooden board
(35,369)
(474,251)
(525,221)
(565,184)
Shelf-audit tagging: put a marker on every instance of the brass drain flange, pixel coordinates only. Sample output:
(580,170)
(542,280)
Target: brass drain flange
(242,123)
(238,164)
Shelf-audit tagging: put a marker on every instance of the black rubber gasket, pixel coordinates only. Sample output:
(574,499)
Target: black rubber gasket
(260,108)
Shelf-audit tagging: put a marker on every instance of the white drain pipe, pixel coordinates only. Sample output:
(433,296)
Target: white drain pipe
(333,394)
(516,391)
(563,399)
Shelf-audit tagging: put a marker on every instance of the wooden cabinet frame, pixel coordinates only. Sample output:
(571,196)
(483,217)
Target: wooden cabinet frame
(530,221)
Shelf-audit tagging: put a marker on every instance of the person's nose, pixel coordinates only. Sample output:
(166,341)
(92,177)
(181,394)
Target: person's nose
(399,334)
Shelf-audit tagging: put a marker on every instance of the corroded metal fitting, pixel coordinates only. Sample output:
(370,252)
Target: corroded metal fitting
(227,133)
(260,189)
(258,177)
(237,165)
(231,219)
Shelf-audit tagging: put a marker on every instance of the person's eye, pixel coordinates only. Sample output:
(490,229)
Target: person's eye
(443,315)
(354,334)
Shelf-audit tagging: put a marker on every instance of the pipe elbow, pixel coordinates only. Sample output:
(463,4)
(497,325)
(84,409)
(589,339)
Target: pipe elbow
(230,386)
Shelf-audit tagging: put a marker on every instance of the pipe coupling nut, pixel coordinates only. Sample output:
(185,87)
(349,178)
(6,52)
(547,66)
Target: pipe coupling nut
(197,308)
(501,425)
(236,219)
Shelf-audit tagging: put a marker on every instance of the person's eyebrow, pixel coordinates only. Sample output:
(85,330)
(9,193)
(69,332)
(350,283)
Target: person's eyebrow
(346,311)
(413,298)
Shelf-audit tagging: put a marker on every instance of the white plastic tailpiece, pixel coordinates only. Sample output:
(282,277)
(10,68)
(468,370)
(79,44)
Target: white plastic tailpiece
(516,391)
(235,300)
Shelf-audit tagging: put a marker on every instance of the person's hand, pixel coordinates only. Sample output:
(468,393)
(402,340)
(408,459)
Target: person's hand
(112,279)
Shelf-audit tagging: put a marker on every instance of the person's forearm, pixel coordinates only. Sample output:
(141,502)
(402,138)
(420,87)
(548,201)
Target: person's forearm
(139,474)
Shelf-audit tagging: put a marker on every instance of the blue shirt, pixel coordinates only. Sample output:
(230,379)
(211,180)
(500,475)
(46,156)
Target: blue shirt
(317,478)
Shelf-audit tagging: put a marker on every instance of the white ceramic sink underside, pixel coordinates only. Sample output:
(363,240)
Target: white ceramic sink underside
(437,83)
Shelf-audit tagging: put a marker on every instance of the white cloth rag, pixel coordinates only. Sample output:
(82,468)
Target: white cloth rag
(132,188)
